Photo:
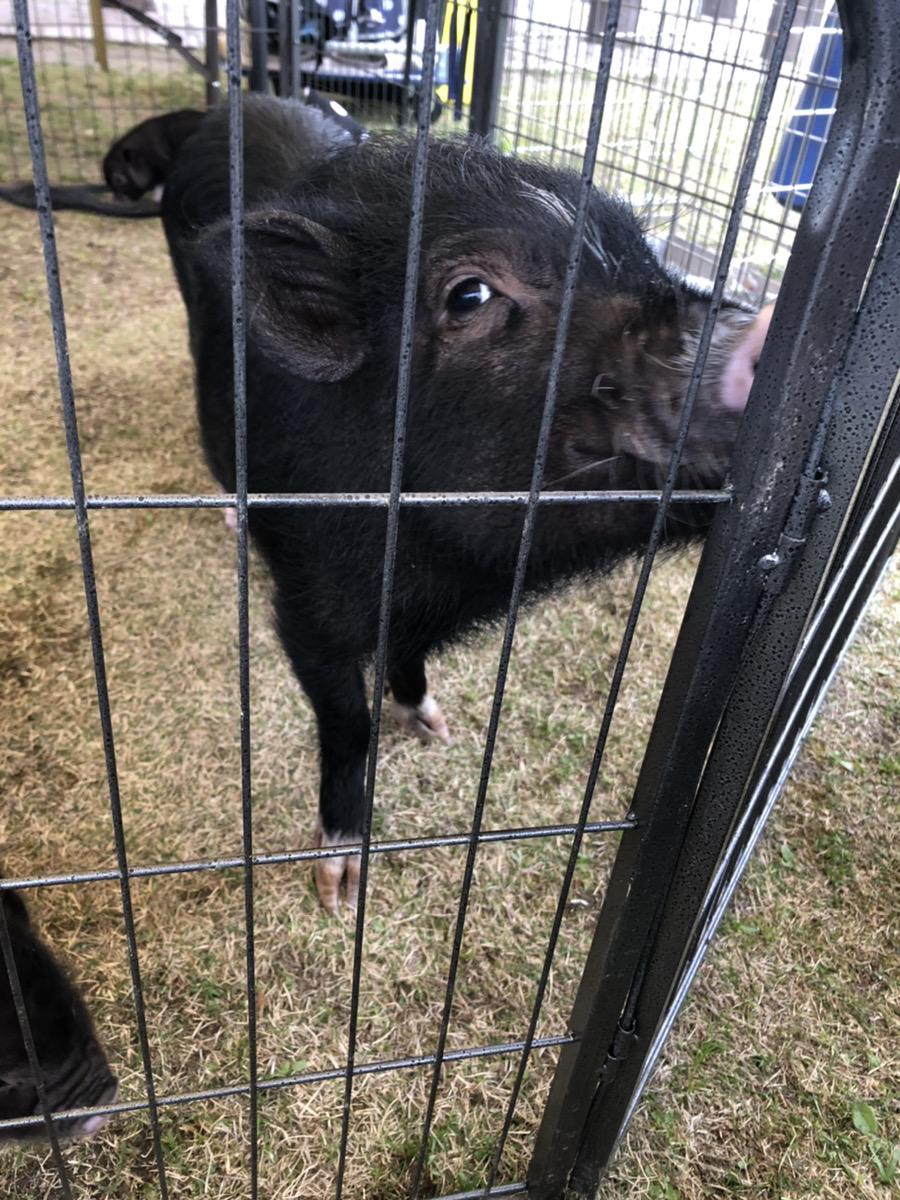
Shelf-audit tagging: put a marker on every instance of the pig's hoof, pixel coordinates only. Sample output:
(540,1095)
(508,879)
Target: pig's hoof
(425,721)
(330,873)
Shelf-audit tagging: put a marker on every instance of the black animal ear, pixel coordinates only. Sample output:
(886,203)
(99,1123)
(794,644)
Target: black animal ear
(300,295)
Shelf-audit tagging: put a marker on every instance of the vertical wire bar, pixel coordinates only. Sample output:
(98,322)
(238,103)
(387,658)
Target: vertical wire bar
(239,367)
(67,397)
(625,1014)
(631,625)
(531,509)
(593,138)
(744,182)
(34,1065)
(420,163)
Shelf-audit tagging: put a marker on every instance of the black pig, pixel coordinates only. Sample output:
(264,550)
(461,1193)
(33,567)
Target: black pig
(142,158)
(76,1073)
(326,243)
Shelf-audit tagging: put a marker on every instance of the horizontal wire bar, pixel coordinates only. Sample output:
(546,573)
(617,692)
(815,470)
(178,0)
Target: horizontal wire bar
(360,499)
(525,833)
(379,1067)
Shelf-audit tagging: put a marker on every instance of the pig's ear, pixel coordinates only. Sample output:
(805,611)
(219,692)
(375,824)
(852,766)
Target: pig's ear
(299,293)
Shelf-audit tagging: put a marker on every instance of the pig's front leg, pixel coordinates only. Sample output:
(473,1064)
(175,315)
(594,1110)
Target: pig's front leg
(338,696)
(412,705)
(334,684)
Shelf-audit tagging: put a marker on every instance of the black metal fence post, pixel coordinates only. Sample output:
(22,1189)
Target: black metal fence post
(213,84)
(259,75)
(289,48)
(490,41)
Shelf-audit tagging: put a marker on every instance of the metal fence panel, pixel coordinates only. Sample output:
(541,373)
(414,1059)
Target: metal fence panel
(757,647)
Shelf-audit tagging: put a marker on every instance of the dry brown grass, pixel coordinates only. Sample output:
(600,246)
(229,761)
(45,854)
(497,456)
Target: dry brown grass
(794,1017)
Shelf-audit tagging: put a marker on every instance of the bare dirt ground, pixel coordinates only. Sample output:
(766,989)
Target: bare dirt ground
(794,1017)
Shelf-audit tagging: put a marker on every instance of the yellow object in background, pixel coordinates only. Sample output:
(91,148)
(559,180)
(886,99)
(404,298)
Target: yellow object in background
(99,34)
(458,41)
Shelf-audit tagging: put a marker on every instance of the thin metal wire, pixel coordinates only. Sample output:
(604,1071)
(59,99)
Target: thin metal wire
(67,397)
(399,845)
(655,539)
(313,855)
(333,1074)
(420,162)
(657,71)
(507,1189)
(358,499)
(556,362)
(239,367)
(593,138)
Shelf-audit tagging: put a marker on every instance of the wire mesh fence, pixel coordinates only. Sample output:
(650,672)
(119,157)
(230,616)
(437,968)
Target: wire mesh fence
(261,1042)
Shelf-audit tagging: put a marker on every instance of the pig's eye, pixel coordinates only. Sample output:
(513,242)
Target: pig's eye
(468,295)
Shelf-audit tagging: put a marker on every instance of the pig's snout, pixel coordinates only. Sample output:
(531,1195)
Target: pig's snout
(642,397)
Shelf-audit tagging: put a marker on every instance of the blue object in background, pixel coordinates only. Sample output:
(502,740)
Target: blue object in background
(802,144)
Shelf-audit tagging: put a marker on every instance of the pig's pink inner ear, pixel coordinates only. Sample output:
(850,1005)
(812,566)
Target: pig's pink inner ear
(737,378)
(300,298)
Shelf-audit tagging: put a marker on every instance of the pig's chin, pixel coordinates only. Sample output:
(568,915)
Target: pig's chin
(644,462)
(630,443)
(633,462)
(584,466)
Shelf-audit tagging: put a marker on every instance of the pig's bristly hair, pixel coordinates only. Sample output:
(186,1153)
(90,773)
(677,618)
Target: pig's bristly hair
(564,211)
(498,190)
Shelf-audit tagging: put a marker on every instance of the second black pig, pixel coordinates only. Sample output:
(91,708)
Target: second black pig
(74,1067)
(325,255)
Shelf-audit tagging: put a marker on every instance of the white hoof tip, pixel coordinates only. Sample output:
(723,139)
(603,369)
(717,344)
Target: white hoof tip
(331,873)
(426,722)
